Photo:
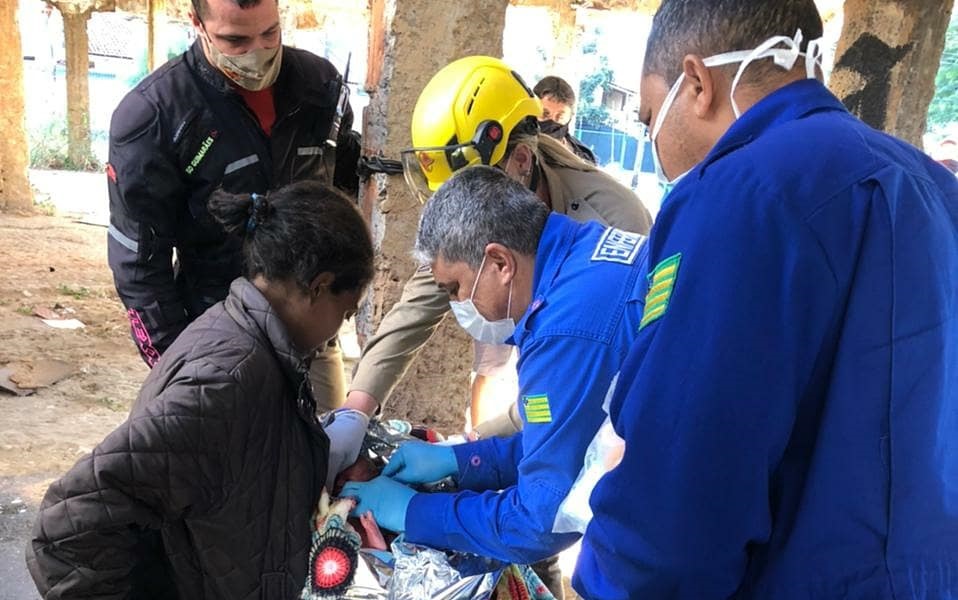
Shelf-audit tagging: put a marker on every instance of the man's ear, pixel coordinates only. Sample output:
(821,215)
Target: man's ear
(502,261)
(703,85)
(522,157)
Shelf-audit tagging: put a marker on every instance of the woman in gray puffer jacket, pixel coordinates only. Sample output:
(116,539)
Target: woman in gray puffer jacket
(206,491)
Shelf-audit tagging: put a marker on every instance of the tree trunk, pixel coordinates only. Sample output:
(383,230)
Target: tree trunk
(886,62)
(78,84)
(15,192)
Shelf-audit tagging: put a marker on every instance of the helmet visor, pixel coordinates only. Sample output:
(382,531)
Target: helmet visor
(425,169)
(412,172)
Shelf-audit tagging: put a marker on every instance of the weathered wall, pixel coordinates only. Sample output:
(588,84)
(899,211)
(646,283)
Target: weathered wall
(887,59)
(14,188)
(409,41)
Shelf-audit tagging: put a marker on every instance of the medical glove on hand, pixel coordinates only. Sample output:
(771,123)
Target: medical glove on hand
(419,462)
(346,433)
(387,499)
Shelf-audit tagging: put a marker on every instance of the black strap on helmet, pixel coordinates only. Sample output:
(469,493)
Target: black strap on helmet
(489,134)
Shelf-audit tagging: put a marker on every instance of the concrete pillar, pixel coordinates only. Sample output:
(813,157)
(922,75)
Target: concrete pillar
(886,62)
(410,40)
(77,50)
(155,33)
(15,192)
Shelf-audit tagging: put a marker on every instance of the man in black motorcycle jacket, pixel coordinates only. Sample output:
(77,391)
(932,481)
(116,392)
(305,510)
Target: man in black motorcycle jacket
(237,110)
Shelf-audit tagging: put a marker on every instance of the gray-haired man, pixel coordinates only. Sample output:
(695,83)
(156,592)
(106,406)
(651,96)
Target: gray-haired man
(570,297)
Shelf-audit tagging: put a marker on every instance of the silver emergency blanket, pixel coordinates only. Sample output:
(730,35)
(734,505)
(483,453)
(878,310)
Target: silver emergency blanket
(412,572)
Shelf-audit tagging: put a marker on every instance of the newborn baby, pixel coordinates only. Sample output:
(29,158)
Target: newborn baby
(364,469)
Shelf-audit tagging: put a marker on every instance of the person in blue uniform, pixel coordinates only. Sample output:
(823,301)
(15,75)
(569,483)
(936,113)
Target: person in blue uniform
(569,296)
(790,406)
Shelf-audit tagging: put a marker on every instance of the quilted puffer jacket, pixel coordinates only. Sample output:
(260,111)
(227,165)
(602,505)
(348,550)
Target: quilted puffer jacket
(206,491)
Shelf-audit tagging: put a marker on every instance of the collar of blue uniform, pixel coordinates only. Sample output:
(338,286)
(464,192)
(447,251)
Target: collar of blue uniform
(554,245)
(794,101)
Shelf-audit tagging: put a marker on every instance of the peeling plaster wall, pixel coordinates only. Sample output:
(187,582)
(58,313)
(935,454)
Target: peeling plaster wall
(886,62)
(409,41)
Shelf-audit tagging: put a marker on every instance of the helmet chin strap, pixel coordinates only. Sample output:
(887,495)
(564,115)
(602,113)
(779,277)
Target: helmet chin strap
(534,179)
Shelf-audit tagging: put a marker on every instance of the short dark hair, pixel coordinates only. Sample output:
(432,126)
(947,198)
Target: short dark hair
(297,232)
(475,207)
(708,27)
(556,87)
(201,8)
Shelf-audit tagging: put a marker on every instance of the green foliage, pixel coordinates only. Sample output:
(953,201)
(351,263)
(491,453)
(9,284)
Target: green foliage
(590,111)
(944,106)
(75,292)
(48,147)
(44,206)
(114,405)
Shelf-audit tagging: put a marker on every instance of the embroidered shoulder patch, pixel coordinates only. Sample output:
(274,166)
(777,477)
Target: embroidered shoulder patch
(537,408)
(618,246)
(201,153)
(661,284)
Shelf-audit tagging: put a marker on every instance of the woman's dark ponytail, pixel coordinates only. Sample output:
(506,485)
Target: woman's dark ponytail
(298,232)
(239,213)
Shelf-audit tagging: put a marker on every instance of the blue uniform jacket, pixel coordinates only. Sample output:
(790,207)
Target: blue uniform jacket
(791,414)
(583,317)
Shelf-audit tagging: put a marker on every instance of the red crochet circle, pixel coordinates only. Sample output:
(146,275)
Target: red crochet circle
(331,568)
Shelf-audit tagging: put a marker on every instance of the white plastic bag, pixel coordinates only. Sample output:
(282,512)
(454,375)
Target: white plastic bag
(603,454)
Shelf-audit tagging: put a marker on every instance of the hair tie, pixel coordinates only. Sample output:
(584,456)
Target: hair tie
(255,211)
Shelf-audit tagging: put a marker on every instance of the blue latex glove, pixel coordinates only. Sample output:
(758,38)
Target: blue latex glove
(387,499)
(420,462)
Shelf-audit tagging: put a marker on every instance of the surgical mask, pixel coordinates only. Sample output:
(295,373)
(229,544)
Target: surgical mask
(476,325)
(668,186)
(783,57)
(254,70)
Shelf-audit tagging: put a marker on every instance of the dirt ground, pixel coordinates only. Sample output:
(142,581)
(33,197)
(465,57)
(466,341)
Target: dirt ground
(57,262)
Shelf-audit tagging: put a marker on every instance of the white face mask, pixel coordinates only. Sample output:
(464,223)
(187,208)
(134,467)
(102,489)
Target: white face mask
(254,70)
(476,325)
(783,57)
